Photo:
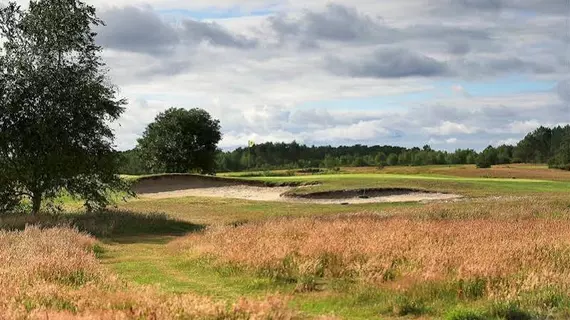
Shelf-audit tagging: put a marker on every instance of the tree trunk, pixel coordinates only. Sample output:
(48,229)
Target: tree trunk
(36,203)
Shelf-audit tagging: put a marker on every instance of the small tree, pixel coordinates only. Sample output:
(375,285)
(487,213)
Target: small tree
(181,141)
(483,162)
(487,158)
(562,158)
(392,159)
(380,159)
(359,162)
(330,162)
(55,106)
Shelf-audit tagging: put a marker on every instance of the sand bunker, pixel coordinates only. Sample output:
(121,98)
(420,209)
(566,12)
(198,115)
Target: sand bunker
(373,196)
(234,192)
(164,187)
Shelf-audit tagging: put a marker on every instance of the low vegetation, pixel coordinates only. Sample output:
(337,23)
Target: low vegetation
(55,274)
(496,256)
(510,257)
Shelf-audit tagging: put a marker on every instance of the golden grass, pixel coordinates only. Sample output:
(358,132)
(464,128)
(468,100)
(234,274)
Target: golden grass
(54,274)
(498,207)
(517,171)
(511,257)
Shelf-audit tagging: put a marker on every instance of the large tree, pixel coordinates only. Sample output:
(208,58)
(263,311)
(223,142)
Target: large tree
(56,104)
(181,141)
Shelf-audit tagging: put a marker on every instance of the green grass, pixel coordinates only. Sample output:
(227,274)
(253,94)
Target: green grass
(145,261)
(231,211)
(476,187)
(148,261)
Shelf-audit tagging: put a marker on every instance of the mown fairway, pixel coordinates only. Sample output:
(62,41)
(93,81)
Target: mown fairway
(501,252)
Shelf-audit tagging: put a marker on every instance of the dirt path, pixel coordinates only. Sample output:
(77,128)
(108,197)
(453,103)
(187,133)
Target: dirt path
(275,194)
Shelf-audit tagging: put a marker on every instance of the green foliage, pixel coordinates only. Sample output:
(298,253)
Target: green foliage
(509,311)
(536,147)
(392,160)
(55,107)
(271,156)
(472,289)
(381,159)
(464,314)
(131,163)
(487,158)
(542,145)
(181,141)
(405,305)
(561,160)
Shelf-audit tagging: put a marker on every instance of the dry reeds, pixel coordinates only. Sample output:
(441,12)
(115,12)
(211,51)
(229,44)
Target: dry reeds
(54,274)
(510,256)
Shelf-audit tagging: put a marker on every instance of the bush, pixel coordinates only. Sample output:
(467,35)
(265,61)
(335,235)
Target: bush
(8,201)
(404,306)
(392,160)
(483,162)
(464,314)
(510,311)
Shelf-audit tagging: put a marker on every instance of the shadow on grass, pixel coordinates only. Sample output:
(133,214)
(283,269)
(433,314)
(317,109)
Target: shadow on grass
(105,224)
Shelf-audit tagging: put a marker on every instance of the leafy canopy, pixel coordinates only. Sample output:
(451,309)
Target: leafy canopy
(181,141)
(56,104)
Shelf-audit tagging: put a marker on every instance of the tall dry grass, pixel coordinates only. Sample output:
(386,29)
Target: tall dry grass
(509,256)
(54,274)
(498,208)
(511,171)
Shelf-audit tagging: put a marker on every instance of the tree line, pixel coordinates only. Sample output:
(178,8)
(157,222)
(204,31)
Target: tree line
(543,145)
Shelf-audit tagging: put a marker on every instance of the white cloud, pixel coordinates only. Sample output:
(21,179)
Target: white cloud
(361,131)
(279,89)
(523,127)
(448,128)
(508,142)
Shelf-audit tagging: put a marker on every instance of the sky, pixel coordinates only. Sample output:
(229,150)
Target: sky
(449,73)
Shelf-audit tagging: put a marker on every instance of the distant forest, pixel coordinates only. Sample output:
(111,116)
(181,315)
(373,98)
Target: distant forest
(543,145)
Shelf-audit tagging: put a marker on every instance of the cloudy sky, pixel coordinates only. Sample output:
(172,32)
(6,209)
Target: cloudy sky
(451,73)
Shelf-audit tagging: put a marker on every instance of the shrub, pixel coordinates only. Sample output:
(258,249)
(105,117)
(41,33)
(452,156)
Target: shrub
(483,162)
(404,305)
(509,311)
(465,314)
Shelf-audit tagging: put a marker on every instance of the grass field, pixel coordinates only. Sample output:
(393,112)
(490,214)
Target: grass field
(502,252)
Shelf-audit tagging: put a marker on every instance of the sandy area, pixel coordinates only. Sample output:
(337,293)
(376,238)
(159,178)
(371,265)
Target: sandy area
(274,194)
(408,197)
(235,192)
